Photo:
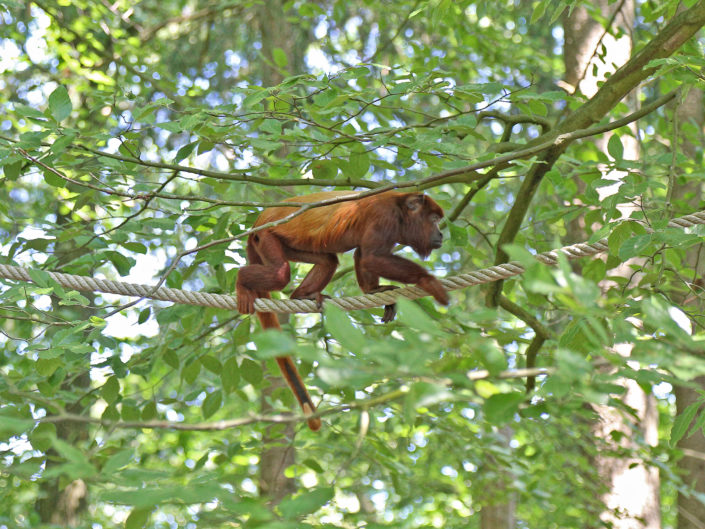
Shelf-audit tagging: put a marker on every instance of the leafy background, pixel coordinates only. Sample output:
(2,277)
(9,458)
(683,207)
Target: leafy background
(139,141)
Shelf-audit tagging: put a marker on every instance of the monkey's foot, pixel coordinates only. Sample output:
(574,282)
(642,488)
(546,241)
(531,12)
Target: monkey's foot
(390,311)
(317,297)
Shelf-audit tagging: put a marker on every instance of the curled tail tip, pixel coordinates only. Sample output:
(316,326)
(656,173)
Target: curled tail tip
(314,423)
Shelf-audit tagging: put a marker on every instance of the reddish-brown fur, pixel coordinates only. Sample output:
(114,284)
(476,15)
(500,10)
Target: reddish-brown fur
(371,225)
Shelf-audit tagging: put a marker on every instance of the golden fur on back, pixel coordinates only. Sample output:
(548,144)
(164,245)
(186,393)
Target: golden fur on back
(318,228)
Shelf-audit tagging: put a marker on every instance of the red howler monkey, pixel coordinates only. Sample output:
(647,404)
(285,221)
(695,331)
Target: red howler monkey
(372,226)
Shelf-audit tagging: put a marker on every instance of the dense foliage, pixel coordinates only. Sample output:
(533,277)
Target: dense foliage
(140,138)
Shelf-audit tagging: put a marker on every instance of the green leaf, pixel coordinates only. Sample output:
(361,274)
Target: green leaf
(272,343)
(324,169)
(171,358)
(411,314)
(306,503)
(682,422)
(70,452)
(539,11)
(314,465)
(185,151)
(136,247)
(279,56)
(230,376)
(190,372)
(619,234)
(486,388)
(595,270)
(122,264)
(422,395)
(458,234)
(615,147)
(148,496)
(33,140)
(634,246)
(11,425)
(60,103)
(346,376)
(251,371)
(241,335)
(676,237)
(110,390)
(40,277)
(144,315)
(29,112)
(53,179)
(358,165)
(212,403)
(142,498)
(118,460)
(500,408)
(257,95)
(61,143)
(338,323)
(111,413)
(129,410)
(272,126)
(149,411)
(12,170)
(491,355)
(212,364)
(138,518)
(47,366)
(42,436)
(574,338)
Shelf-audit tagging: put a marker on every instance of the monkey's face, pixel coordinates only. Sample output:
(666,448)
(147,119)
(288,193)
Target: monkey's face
(436,237)
(421,230)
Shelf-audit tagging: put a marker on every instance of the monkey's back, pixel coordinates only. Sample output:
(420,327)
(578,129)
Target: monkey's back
(334,228)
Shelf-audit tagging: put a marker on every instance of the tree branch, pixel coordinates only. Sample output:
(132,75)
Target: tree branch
(273,418)
(680,29)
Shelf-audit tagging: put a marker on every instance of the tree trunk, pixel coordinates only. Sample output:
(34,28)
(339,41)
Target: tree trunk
(499,505)
(590,54)
(278,452)
(691,511)
(63,504)
(278,35)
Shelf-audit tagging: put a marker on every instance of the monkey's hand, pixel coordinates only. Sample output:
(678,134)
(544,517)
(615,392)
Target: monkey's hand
(246,300)
(433,286)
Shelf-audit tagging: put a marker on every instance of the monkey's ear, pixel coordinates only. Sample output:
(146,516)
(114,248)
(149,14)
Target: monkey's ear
(414,202)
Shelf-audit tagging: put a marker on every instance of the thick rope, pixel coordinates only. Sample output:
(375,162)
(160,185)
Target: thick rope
(222,301)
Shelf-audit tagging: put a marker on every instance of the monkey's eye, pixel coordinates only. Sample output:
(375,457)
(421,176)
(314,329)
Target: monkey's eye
(435,218)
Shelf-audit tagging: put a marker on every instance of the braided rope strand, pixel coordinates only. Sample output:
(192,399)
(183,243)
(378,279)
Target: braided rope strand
(228,302)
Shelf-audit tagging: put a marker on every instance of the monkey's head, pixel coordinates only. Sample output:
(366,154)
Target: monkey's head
(420,227)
